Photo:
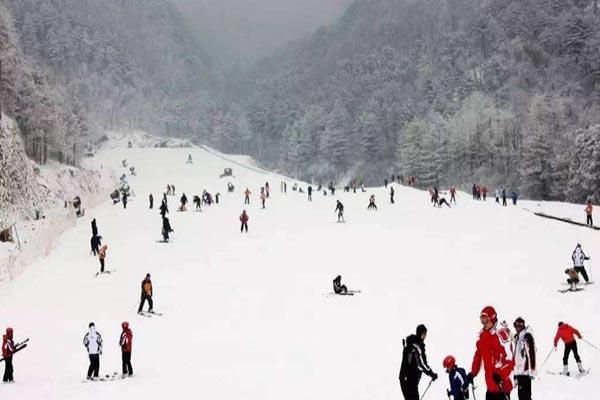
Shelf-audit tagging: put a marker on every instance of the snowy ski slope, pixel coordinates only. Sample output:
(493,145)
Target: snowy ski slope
(249,316)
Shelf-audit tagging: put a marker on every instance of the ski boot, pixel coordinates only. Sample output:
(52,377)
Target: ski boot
(581,370)
(566,370)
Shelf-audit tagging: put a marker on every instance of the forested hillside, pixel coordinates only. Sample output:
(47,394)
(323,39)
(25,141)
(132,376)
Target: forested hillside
(450,91)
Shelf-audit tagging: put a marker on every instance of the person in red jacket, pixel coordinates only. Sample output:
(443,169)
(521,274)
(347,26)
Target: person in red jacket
(125,342)
(567,334)
(8,349)
(244,220)
(494,350)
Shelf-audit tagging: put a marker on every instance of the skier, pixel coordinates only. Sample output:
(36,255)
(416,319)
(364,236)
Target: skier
(392,194)
(504,197)
(578,258)
(474,191)
(102,256)
(567,334)
(435,196)
(93,343)
(573,278)
(189,160)
(494,350)
(146,295)
(96,242)
(94,228)
(267,189)
(310,190)
(453,195)
(8,349)
(125,199)
(125,341)
(414,363)
(372,205)
(514,197)
(459,384)
(340,209)
(484,191)
(525,358)
(588,213)
(385,182)
(166,229)
(151,200)
(263,197)
(184,201)
(197,202)
(164,210)
(244,220)
(173,190)
(338,288)
(442,201)
(497,195)
(332,188)
(219,194)
(247,194)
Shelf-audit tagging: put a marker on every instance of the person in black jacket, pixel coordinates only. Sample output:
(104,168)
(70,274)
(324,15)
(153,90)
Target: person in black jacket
(151,199)
(338,288)
(414,364)
(164,210)
(166,229)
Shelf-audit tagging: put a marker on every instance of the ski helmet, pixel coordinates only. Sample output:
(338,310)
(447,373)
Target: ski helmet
(490,312)
(449,362)
(125,325)
(9,332)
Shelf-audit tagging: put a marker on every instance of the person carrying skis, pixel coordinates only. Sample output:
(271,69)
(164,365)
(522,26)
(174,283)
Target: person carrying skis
(567,334)
(102,256)
(93,343)
(525,359)
(453,194)
(164,210)
(310,190)
(8,349)
(166,229)
(588,212)
(151,200)
(338,288)
(247,194)
(459,384)
(340,210)
(184,201)
(578,258)
(244,220)
(146,295)
(372,205)
(392,194)
(125,341)
(494,350)
(414,364)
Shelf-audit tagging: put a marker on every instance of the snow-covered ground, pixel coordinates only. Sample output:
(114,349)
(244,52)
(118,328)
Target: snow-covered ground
(249,315)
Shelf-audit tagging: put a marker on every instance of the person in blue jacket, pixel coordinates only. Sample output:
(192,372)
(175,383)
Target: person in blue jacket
(514,198)
(459,384)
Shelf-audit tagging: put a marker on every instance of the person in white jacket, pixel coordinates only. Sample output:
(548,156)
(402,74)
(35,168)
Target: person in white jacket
(93,343)
(578,258)
(525,358)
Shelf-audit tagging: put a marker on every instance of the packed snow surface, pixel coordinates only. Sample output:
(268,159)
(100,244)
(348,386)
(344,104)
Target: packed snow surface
(251,316)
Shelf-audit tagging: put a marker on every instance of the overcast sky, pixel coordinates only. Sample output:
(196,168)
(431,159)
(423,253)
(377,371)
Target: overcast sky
(249,29)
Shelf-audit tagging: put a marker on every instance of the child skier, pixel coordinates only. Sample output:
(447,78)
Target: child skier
(567,334)
(197,203)
(459,384)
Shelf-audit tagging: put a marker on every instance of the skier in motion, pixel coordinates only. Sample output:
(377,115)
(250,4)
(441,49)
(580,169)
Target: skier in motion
(414,364)
(567,334)
(340,210)
(125,341)
(578,258)
(93,343)
(146,295)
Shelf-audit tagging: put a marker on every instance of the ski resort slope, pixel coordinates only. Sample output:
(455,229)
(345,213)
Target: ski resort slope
(251,316)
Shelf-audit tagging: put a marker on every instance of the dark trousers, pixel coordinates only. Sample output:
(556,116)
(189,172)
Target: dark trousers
(342,289)
(571,347)
(589,221)
(583,273)
(452,198)
(143,301)
(247,200)
(244,226)
(102,265)
(524,386)
(504,201)
(8,370)
(151,204)
(309,197)
(410,390)
(496,396)
(94,368)
(392,199)
(127,368)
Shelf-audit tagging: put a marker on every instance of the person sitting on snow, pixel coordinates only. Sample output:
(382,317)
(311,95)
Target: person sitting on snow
(338,288)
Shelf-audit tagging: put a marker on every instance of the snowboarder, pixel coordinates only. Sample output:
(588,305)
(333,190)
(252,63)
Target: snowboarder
(372,205)
(146,294)
(102,256)
(247,194)
(184,201)
(578,258)
(573,278)
(453,194)
(567,334)
(514,197)
(504,197)
(96,242)
(244,220)
(459,384)
(197,203)
(164,210)
(338,288)
(392,194)
(166,229)
(8,349)
(414,363)
(525,358)
(310,190)
(340,210)
(125,341)
(588,212)
(494,350)
(151,200)
(125,196)
(93,343)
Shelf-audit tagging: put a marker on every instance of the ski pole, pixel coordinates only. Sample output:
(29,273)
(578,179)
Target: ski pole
(594,346)
(473,388)
(546,360)
(426,389)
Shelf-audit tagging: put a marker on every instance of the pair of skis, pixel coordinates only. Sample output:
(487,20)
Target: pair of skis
(578,375)
(108,271)
(149,314)
(18,347)
(115,376)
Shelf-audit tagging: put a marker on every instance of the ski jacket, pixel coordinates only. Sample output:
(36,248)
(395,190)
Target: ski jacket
(247,193)
(588,209)
(8,346)
(244,217)
(147,287)
(184,199)
(93,342)
(525,353)
(459,385)
(494,350)
(414,360)
(566,333)
(102,252)
(578,257)
(126,341)
(484,190)
(339,207)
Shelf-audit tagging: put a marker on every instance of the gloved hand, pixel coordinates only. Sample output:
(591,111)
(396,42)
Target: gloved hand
(434,376)
(470,377)
(496,378)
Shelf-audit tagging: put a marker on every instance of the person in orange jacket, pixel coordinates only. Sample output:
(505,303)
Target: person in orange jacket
(588,212)
(567,334)
(146,294)
(102,256)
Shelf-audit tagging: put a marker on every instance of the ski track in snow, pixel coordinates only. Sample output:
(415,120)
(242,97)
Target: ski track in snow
(248,315)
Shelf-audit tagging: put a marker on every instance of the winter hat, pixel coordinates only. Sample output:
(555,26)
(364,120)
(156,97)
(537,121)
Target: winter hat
(490,312)
(91,324)
(421,329)
(9,332)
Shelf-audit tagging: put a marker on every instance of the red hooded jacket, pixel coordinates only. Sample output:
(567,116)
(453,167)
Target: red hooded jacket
(244,217)
(491,350)
(126,341)
(8,346)
(567,333)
